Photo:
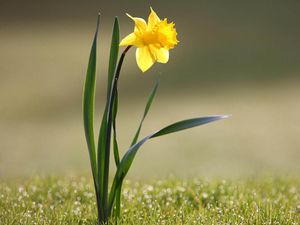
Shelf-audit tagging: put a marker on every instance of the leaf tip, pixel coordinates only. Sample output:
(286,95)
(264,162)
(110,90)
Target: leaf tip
(116,22)
(225,116)
(98,22)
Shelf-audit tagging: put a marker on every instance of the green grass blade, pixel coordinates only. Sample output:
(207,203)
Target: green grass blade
(130,154)
(148,105)
(89,102)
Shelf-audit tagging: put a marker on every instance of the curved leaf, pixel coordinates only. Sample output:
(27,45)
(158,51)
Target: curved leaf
(116,151)
(88,114)
(89,102)
(148,105)
(130,154)
(186,124)
(113,57)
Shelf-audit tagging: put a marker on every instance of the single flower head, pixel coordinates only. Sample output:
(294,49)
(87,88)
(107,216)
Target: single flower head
(153,40)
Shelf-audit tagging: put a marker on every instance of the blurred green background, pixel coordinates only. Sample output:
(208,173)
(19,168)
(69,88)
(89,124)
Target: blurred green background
(235,57)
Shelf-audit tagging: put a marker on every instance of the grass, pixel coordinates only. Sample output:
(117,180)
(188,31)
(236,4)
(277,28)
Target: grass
(56,200)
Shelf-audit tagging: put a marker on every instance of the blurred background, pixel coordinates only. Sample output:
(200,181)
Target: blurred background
(235,57)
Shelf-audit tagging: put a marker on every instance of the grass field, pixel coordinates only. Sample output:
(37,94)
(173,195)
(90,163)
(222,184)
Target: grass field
(57,200)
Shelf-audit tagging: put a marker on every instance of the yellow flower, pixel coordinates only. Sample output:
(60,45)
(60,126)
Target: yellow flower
(153,40)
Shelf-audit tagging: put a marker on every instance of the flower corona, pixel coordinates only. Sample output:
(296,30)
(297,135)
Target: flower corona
(153,40)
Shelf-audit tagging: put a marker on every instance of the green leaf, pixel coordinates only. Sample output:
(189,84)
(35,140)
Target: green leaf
(186,124)
(89,102)
(130,154)
(101,152)
(113,57)
(116,151)
(114,52)
(148,105)
(118,198)
(88,113)
(106,124)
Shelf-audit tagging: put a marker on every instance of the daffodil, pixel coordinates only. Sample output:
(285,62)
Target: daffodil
(153,40)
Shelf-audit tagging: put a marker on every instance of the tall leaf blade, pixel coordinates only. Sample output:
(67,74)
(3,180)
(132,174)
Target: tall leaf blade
(147,108)
(106,124)
(88,114)
(113,57)
(114,52)
(116,151)
(89,102)
(130,154)
(101,152)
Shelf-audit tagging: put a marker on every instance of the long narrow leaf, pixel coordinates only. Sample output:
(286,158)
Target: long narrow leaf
(114,52)
(88,114)
(136,136)
(130,154)
(148,105)
(101,152)
(105,130)
(88,103)
(113,57)
(186,124)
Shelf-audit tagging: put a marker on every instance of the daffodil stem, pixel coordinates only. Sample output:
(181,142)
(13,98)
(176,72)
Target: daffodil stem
(108,132)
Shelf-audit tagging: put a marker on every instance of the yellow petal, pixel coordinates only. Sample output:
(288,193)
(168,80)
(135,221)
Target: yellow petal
(152,19)
(161,55)
(144,58)
(131,39)
(140,24)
